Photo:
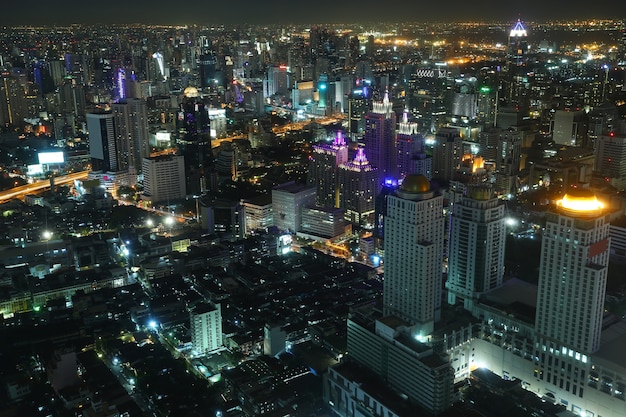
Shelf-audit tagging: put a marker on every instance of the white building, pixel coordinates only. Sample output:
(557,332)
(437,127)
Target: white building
(258,214)
(164,178)
(477,241)
(206,328)
(414,232)
(288,199)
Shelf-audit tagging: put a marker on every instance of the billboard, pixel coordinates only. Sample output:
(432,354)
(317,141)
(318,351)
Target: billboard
(36,169)
(51,157)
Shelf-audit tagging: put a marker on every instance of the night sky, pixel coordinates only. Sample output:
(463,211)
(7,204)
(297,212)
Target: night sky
(36,12)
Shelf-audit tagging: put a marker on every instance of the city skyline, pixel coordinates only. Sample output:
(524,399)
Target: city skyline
(281,11)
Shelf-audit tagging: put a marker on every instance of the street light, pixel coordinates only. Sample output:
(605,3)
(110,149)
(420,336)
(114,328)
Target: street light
(47,235)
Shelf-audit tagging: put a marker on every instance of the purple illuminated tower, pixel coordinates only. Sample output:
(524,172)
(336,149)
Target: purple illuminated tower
(379,137)
(325,160)
(359,186)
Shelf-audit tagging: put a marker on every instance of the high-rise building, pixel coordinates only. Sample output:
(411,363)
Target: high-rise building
(103,148)
(323,170)
(508,161)
(195,140)
(610,162)
(380,138)
(447,153)
(477,238)
(131,129)
(414,234)
(164,178)
(518,44)
(288,200)
(206,328)
(359,186)
(572,275)
(411,155)
(258,213)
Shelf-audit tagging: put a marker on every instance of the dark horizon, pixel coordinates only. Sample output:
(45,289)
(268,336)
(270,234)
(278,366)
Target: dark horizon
(44,12)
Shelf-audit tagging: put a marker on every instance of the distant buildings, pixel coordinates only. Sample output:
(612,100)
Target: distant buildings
(324,170)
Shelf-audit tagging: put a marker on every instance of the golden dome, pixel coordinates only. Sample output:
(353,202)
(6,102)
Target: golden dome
(580,200)
(415,183)
(191,92)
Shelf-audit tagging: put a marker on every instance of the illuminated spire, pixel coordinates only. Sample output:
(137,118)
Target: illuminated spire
(405,116)
(360,158)
(386,98)
(339,139)
(518,30)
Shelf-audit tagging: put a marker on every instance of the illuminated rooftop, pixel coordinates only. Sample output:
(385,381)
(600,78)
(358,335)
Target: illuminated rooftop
(580,202)
(415,183)
(518,30)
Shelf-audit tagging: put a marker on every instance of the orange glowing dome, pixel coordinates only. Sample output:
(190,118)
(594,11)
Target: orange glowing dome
(579,200)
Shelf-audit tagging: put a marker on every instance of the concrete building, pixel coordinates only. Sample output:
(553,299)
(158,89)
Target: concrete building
(414,235)
(206,328)
(258,213)
(164,178)
(322,222)
(288,200)
(477,239)
(610,160)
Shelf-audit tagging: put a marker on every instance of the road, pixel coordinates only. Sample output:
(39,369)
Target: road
(23,190)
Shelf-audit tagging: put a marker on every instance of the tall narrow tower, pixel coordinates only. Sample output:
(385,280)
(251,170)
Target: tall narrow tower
(572,285)
(379,138)
(414,232)
(477,239)
(323,170)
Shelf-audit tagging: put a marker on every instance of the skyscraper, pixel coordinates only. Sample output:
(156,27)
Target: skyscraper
(379,138)
(447,153)
(610,158)
(572,275)
(103,149)
(131,129)
(477,239)
(195,140)
(414,232)
(411,156)
(206,328)
(323,170)
(358,189)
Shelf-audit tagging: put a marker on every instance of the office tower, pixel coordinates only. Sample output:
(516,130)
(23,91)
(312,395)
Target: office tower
(447,153)
(206,328)
(131,129)
(610,158)
(359,186)
(410,148)
(568,128)
(163,178)
(277,81)
(13,106)
(426,97)
(72,98)
(324,222)
(379,137)
(288,200)
(258,214)
(323,170)
(388,187)
(572,286)
(508,160)
(207,70)
(358,105)
(414,233)
(477,239)
(194,142)
(103,148)
(518,44)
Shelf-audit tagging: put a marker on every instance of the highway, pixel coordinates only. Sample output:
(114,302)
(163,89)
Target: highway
(23,190)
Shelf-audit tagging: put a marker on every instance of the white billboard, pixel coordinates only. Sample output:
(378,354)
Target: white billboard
(51,157)
(36,169)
